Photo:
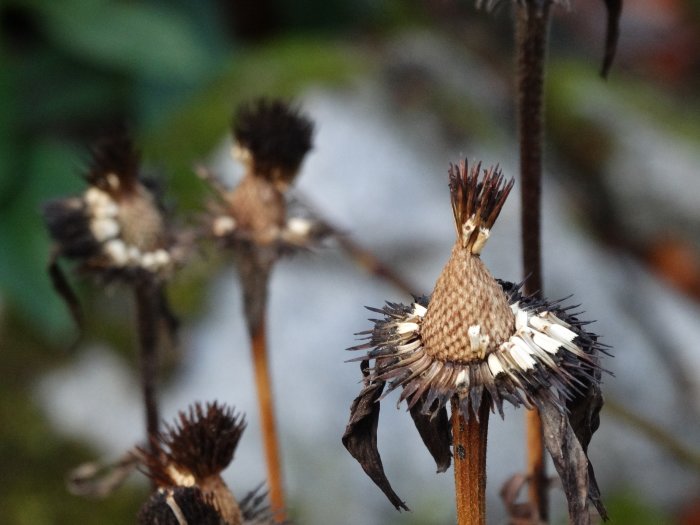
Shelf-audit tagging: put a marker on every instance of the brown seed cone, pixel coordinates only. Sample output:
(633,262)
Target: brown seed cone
(141,221)
(258,208)
(466,294)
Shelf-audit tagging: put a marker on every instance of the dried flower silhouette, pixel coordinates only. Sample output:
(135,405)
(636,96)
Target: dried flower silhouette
(186,468)
(271,139)
(116,230)
(478,342)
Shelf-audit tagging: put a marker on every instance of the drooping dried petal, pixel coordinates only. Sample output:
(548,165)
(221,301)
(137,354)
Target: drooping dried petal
(360,437)
(434,430)
(612,34)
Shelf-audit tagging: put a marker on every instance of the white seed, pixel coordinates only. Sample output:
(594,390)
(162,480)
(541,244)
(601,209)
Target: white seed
(104,229)
(116,251)
(538,323)
(546,343)
(148,261)
(480,241)
(462,379)
(419,310)
(95,197)
(105,210)
(521,319)
(495,365)
(134,254)
(162,257)
(404,328)
(521,353)
(473,333)
(560,332)
(223,225)
(299,226)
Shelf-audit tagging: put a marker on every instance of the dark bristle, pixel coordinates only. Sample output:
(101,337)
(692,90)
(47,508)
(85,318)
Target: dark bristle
(69,227)
(277,135)
(203,440)
(478,196)
(113,154)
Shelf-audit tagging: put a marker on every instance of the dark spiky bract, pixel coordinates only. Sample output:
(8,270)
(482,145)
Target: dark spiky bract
(277,135)
(476,201)
(189,502)
(114,154)
(68,223)
(202,441)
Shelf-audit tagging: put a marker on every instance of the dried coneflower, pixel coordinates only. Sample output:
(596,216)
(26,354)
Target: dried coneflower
(116,230)
(186,468)
(476,343)
(271,139)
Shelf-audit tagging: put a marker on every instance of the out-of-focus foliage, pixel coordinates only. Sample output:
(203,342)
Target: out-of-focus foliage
(71,70)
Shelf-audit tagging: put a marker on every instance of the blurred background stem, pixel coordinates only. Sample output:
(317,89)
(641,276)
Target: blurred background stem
(531,31)
(147,317)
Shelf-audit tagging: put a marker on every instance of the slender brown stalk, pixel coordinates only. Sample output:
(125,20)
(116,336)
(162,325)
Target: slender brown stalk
(267,419)
(469,450)
(531,30)
(147,317)
(363,257)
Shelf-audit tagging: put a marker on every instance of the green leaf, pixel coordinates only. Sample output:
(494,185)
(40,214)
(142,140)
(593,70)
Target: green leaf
(136,38)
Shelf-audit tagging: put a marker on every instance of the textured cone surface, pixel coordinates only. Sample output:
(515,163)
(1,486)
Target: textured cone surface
(141,222)
(259,209)
(466,294)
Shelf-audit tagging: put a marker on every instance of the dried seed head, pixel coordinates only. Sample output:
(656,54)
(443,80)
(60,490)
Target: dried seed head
(272,138)
(476,339)
(195,450)
(116,227)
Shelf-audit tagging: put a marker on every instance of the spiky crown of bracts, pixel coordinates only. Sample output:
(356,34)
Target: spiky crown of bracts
(476,339)
(476,204)
(200,443)
(114,156)
(277,135)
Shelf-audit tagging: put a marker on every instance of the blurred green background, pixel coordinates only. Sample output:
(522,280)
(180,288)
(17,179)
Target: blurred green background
(174,71)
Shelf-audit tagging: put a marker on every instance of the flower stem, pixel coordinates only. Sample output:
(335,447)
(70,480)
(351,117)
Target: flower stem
(267,418)
(531,30)
(147,313)
(469,438)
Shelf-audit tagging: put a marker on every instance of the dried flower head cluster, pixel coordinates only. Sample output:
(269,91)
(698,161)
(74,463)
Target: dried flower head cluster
(476,339)
(271,140)
(116,227)
(186,467)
